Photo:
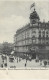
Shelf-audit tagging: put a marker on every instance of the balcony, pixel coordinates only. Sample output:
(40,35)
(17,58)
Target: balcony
(43,51)
(40,44)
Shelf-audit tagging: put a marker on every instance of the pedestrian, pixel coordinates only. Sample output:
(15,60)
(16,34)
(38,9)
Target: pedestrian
(17,60)
(25,64)
(2,65)
(40,62)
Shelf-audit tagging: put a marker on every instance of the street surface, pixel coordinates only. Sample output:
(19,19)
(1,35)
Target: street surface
(19,63)
(22,64)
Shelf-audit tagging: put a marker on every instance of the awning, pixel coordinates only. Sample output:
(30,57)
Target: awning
(12,52)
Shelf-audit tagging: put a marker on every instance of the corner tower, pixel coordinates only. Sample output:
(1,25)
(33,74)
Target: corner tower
(34,17)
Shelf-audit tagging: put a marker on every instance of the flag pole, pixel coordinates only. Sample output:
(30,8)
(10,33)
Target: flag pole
(32,7)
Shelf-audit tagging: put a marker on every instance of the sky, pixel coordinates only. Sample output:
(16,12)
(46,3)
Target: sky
(15,14)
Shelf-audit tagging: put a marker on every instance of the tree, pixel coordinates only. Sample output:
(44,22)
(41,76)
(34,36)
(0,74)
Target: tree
(7,48)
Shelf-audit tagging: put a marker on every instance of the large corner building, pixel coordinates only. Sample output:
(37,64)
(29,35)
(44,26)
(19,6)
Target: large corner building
(33,39)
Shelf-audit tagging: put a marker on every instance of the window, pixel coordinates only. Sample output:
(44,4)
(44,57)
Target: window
(46,32)
(27,33)
(39,35)
(43,32)
(22,42)
(33,31)
(30,41)
(22,35)
(46,36)
(40,41)
(34,41)
(33,36)
(39,32)
(43,36)
(43,41)
(47,42)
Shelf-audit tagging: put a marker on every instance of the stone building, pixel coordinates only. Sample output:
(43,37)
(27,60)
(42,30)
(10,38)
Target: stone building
(33,38)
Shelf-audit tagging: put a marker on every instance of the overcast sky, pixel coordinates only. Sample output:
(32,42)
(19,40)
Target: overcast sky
(15,14)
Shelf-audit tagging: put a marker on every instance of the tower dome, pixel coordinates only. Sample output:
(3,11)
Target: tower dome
(34,17)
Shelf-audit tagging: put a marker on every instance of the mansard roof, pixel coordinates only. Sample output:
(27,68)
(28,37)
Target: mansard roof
(39,24)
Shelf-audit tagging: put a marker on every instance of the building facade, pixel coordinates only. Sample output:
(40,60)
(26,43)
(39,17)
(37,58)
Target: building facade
(33,39)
